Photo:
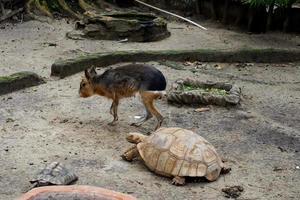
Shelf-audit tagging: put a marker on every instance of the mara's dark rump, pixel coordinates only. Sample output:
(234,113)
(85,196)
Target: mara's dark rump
(143,77)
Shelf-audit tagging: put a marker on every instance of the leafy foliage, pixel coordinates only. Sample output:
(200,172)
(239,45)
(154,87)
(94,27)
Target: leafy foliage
(280,3)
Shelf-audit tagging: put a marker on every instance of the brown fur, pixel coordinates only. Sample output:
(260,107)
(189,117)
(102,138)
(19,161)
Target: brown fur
(117,92)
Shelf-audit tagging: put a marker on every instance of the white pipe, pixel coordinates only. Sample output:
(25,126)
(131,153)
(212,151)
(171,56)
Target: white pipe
(175,15)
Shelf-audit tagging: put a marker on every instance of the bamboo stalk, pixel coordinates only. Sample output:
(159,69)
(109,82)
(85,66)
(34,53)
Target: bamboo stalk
(175,15)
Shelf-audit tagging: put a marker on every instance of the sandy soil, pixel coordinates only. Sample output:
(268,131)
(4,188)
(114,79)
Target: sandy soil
(26,46)
(260,138)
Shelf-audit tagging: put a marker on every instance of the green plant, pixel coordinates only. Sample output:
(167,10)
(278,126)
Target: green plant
(279,3)
(270,4)
(215,91)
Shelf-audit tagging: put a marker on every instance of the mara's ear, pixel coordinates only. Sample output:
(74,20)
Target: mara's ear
(93,71)
(87,74)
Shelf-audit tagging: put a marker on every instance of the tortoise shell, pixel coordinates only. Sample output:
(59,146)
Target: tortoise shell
(54,174)
(180,152)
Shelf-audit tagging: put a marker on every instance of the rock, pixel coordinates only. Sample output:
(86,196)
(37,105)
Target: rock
(173,65)
(19,81)
(133,26)
(202,109)
(275,169)
(9,120)
(233,191)
(245,115)
(54,174)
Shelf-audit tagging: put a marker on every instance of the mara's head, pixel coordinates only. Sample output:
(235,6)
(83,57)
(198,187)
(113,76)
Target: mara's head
(135,138)
(86,86)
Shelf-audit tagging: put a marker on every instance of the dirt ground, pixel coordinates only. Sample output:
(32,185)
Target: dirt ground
(260,138)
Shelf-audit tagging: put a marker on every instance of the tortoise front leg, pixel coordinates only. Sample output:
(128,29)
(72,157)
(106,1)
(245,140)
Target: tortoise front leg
(178,180)
(131,153)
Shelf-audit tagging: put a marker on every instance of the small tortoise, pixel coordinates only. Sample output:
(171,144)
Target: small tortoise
(54,174)
(178,153)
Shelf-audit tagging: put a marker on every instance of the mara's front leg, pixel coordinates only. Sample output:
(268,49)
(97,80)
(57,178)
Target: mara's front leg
(114,111)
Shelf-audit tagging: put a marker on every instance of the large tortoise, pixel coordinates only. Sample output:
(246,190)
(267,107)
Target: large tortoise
(176,152)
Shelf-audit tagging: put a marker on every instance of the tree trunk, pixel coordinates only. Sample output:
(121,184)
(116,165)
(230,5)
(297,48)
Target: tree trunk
(197,4)
(225,14)
(2,11)
(167,3)
(213,9)
(239,18)
(270,16)
(286,23)
(250,19)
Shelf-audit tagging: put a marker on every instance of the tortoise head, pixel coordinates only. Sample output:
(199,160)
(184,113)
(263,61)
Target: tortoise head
(135,138)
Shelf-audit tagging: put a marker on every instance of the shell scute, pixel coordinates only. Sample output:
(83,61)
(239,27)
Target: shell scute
(178,149)
(201,169)
(161,141)
(162,161)
(193,170)
(177,167)
(213,171)
(209,156)
(170,165)
(184,168)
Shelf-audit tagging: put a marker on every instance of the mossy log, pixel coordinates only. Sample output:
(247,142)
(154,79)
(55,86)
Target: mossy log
(177,94)
(63,68)
(19,81)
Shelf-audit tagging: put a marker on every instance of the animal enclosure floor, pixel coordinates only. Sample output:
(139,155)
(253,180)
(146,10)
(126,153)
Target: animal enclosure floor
(260,138)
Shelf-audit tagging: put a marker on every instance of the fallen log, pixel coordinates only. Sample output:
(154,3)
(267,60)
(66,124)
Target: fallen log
(19,81)
(64,68)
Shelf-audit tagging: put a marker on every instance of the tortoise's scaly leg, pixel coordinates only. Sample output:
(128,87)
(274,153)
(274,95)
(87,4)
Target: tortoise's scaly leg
(225,169)
(130,154)
(178,180)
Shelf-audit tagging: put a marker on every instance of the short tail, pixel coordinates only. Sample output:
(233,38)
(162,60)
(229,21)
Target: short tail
(159,94)
(162,94)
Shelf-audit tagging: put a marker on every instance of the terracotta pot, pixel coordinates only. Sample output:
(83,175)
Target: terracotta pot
(71,192)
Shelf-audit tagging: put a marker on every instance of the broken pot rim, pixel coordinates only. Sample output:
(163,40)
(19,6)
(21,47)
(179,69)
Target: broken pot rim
(80,189)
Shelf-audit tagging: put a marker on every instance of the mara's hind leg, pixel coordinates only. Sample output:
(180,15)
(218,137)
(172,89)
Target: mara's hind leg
(148,98)
(147,116)
(114,111)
